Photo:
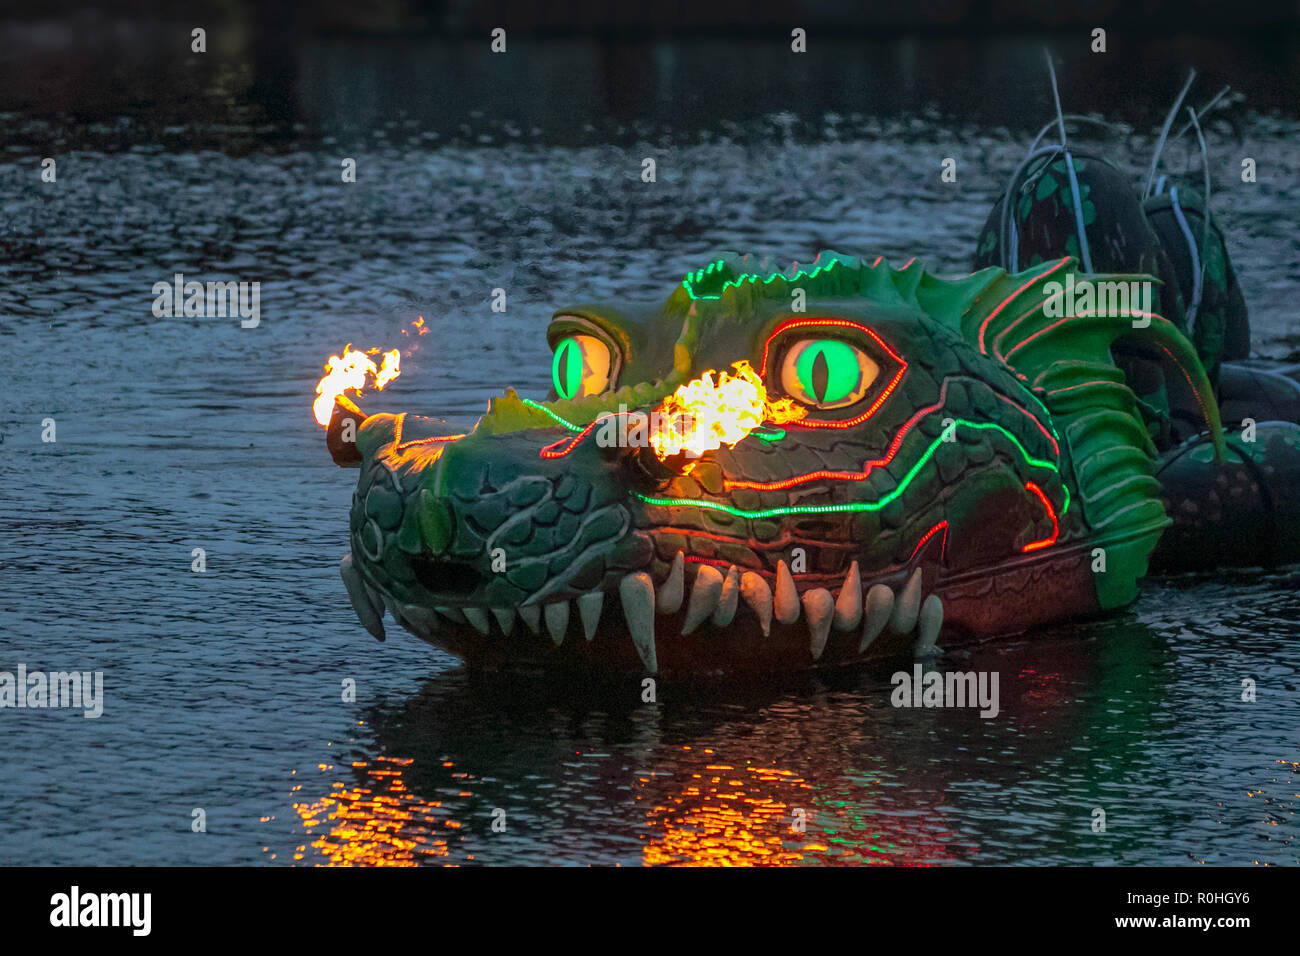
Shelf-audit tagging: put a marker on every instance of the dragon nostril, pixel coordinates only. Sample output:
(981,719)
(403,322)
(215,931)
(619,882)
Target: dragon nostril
(451,578)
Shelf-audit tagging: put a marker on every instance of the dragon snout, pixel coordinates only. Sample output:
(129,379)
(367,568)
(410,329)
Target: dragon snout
(464,527)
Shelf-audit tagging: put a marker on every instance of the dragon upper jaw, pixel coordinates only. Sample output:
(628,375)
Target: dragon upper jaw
(733,602)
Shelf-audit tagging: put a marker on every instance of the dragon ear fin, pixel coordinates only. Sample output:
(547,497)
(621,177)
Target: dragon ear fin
(1044,324)
(1060,337)
(1164,343)
(987,306)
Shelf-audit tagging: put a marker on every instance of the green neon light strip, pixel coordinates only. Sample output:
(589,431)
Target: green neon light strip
(774,435)
(857,506)
(542,408)
(1046,414)
(749,277)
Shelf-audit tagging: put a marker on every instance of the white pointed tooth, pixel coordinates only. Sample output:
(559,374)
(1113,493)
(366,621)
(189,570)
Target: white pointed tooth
(399,611)
(848,606)
(478,617)
(370,615)
(557,620)
(589,608)
(637,592)
(704,597)
(728,599)
(671,592)
(531,615)
(785,600)
(819,608)
(759,597)
(880,607)
(928,625)
(506,618)
(423,619)
(452,614)
(907,606)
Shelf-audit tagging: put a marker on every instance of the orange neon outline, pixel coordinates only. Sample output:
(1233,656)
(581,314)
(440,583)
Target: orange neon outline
(824,322)
(399,445)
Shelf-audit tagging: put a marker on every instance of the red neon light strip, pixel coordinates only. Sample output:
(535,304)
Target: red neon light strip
(1051,512)
(571,442)
(1012,326)
(716,562)
(943,545)
(1071,388)
(992,315)
(1205,412)
(880,399)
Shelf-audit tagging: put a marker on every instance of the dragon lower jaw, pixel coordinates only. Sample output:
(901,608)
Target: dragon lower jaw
(663,621)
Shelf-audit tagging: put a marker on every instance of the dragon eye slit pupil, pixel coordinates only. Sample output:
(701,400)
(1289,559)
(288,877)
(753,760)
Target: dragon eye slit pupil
(582,365)
(566,371)
(573,367)
(827,371)
(820,374)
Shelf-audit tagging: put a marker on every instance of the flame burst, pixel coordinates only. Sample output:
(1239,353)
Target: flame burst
(703,414)
(351,371)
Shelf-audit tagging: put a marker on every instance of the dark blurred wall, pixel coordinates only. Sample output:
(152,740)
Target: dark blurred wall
(124,73)
(677,17)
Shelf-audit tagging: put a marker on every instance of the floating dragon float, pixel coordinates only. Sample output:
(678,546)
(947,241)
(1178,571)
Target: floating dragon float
(779,468)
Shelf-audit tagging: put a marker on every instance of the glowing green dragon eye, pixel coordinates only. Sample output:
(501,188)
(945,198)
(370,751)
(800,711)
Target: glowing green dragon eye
(828,373)
(580,366)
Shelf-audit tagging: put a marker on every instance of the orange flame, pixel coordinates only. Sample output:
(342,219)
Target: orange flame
(420,329)
(703,414)
(350,371)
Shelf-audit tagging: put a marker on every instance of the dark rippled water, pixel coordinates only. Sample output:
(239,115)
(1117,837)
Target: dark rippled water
(223,689)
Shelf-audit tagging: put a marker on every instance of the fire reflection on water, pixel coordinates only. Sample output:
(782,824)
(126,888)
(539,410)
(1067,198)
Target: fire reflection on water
(377,822)
(756,815)
(728,817)
(705,811)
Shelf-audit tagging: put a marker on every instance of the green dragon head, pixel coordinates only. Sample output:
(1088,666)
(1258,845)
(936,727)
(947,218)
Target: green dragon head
(966,458)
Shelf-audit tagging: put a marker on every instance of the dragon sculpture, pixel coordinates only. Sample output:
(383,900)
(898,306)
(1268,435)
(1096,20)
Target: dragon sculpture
(963,462)
(942,459)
